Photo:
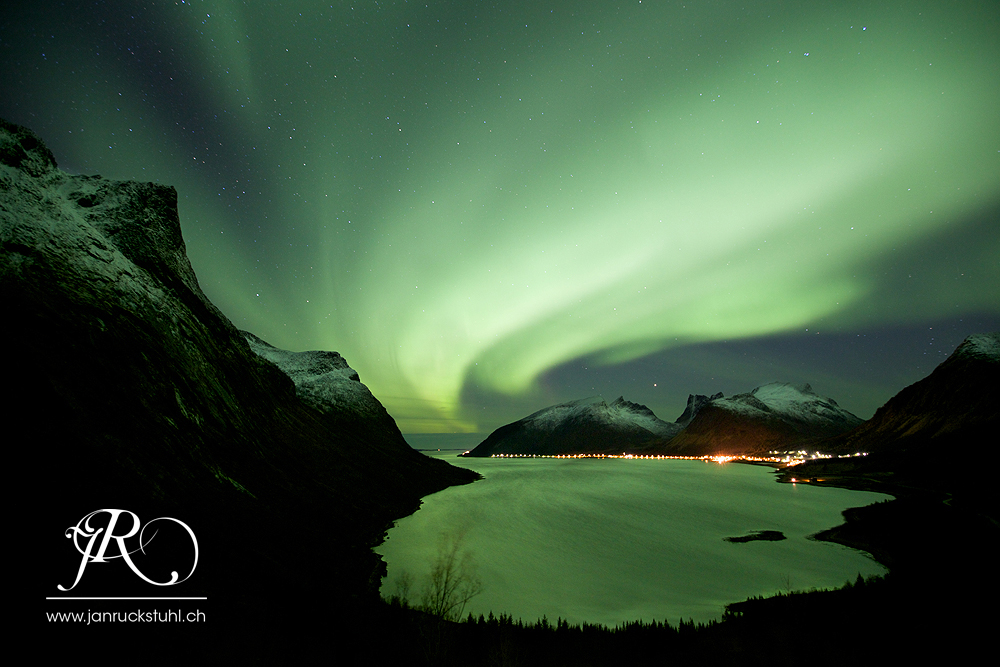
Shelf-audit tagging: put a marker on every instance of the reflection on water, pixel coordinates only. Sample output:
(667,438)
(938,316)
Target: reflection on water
(608,541)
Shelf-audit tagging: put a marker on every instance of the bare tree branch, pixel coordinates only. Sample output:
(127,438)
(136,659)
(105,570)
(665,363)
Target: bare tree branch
(453,581)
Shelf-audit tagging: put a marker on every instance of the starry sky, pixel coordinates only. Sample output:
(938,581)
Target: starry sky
(488,208)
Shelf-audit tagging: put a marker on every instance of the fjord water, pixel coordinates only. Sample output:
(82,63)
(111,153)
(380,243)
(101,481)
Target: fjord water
(614,540)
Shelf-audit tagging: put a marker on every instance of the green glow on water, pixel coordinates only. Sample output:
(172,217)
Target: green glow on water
(604,541)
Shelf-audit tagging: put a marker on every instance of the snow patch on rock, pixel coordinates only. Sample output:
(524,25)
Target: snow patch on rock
(788,402)
(547,419)
(980,346)
(322,379)
(619,413)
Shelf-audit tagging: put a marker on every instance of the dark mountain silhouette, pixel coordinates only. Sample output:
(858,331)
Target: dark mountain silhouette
(129,389)
(956,404)
(932,429)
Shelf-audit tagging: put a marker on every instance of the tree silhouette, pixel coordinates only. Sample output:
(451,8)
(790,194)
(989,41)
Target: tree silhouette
(453,581)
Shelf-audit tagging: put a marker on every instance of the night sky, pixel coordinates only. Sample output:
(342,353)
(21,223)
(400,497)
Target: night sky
(488,208)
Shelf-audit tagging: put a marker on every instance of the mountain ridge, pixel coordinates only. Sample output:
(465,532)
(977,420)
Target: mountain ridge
(928,429)
(773,417)
(595,425)
(134,391)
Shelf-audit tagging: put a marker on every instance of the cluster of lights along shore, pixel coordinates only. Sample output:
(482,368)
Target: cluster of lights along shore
(784,459)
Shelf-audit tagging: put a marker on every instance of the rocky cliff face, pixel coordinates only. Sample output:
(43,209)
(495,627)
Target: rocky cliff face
(776,416)
(695,403)
(131,390)
(325,382)
(586,426)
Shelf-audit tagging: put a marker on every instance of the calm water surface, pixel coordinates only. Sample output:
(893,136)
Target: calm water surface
(610,540)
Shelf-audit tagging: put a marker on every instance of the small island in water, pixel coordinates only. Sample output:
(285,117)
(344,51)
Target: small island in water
(758,535)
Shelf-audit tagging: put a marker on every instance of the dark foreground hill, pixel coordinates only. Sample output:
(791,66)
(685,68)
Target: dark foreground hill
(958,403)
(128,389)
(936,431)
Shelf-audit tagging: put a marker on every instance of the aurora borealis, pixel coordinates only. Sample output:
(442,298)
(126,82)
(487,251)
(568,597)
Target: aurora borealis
(490,208)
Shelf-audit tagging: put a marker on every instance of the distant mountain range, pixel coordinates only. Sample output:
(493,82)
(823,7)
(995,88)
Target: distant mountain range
(589,425)
(957,403)
(774,416)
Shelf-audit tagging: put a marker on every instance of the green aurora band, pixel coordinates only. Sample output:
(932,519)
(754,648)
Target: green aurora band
(454,195)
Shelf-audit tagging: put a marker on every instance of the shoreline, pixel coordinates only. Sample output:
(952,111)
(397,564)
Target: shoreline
(822,528)
(939,570)
(909,533)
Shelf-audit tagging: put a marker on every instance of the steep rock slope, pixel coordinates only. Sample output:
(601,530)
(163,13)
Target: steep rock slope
(131,390)
(325,382)
(586,426)
(957,404)
(776,416)
(934,427)
(695,403)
